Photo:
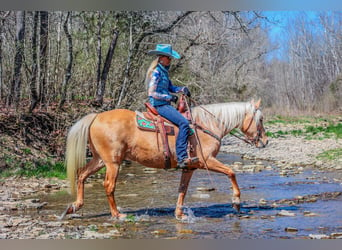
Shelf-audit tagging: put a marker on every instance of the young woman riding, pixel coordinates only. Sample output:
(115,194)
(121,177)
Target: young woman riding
(160,88)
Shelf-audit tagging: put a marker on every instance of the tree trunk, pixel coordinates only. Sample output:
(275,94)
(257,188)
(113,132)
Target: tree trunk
(99,51)
(106,67)
(33,84)
(3,18)
(18,59)
(70,60)
(44,21)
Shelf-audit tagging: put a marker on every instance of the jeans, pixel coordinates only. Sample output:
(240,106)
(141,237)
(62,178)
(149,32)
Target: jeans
(170,113)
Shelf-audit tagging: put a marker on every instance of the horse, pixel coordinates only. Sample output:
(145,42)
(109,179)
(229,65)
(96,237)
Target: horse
(113,136)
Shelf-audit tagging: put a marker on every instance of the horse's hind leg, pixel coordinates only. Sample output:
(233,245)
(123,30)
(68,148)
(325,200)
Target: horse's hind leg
(183,188)
(112,172)
(90,168)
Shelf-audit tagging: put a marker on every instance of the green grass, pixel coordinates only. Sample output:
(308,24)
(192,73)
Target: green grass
(332,154)
(292,120)
(29,169)
(311,132)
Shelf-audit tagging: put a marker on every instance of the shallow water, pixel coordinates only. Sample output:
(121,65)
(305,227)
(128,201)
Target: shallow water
(149,198)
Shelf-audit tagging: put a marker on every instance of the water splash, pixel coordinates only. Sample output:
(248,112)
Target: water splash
(190,216)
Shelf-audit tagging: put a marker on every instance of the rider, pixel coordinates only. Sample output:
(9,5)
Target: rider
(159,88)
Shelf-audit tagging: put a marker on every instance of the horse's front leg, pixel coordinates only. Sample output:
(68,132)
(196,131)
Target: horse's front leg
(216,166)
(183,188)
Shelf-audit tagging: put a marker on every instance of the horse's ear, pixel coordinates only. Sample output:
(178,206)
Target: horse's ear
(257,105)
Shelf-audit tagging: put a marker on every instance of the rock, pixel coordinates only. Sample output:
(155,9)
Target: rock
(159,231)
(318,236)
(201,196)
(336,235)
(262,202)
(309,214)
(285,213)
(185,231)
(129,195)
(291,229)
(150,170)
(205,189)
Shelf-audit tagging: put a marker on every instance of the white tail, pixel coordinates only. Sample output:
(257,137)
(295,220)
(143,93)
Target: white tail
(76,147)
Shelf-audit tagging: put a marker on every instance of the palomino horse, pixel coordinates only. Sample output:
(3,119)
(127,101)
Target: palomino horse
(113,136)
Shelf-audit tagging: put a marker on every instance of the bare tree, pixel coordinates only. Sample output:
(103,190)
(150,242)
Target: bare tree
(18,59)
(104,74)
(34,71)
(43,54)
(2,22)
(68,69)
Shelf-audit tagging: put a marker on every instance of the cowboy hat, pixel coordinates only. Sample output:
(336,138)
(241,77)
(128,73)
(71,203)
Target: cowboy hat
(165,50)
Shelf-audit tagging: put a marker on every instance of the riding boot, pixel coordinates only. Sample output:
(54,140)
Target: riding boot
(187,162)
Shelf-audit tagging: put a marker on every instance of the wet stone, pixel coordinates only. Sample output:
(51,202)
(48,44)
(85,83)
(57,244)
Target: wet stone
(205,189)
(201,196)
(336,235)
(262,202)
(309,214)
(318,236)
(285,213)
(159,231)
(291,229)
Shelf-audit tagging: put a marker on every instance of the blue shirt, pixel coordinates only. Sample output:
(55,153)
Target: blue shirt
(160,86)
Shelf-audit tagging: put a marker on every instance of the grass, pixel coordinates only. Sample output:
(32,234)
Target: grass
(29,169)
(332,154)
(309,131)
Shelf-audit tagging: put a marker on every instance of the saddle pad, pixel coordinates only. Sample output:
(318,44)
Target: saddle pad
(149,125)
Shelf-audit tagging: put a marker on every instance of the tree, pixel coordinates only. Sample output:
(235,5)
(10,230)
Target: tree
(2,23)
(68,72)
(18,59)
(34,71)
(106,67)
(43,55)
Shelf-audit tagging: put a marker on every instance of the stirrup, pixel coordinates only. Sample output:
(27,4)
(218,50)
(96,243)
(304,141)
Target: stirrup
(187,162)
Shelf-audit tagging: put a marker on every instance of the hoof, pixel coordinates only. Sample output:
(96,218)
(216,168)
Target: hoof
(120,217)
(236,203)
(182,217)
(69,209)
(237,207)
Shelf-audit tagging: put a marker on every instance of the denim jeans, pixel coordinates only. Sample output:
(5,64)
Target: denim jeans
(170,113)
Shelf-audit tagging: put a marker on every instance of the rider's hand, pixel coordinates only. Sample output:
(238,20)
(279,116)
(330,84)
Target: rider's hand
(186,91)
(174,98)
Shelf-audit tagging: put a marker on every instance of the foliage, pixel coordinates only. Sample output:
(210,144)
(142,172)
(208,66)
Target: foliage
(332,154)
(45,169)
(330,130)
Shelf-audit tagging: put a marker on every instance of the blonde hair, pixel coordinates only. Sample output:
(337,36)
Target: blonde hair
(152,67)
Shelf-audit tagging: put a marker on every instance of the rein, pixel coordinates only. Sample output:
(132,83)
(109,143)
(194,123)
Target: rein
(240,136)
(198,140)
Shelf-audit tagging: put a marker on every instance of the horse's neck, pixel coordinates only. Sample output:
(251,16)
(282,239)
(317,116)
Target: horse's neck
(221,118)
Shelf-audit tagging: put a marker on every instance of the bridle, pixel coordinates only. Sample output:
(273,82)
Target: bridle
(252,140)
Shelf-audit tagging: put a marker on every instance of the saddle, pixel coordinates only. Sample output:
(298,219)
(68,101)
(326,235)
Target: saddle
(152,121)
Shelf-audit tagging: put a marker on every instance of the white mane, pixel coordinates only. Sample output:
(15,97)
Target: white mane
(223,116)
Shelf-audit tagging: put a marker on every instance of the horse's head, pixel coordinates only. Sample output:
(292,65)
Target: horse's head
(253,127)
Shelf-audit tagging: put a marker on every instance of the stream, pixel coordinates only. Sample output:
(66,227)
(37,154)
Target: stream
(277,203)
